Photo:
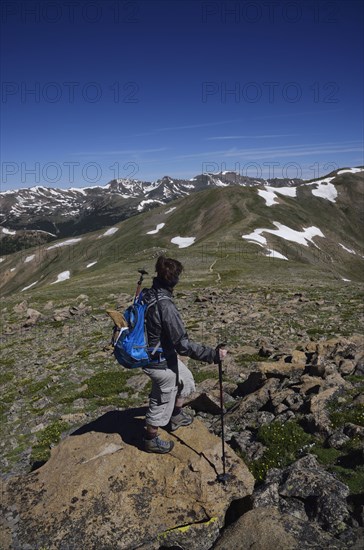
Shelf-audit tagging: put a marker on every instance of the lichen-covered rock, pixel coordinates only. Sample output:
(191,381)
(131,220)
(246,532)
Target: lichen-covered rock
(101,490)
(33,316)
(267,528)
(209,401)
(245,443)
(324,495)
(281,369)
(254,401)
(338,439)
(319,411)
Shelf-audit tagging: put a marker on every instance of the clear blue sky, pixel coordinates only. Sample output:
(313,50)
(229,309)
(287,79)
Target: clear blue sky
(91,90)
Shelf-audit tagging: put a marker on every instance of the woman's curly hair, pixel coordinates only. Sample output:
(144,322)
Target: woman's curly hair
(168,269)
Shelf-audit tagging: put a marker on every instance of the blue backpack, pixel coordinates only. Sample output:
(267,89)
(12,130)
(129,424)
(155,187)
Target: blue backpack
(131,345)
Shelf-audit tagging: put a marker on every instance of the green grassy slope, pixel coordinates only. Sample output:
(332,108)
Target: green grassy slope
(217,218)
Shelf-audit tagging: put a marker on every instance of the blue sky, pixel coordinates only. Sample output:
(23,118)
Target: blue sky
(94,90)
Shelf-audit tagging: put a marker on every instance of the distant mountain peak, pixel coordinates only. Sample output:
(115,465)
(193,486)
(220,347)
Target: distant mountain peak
(71,211)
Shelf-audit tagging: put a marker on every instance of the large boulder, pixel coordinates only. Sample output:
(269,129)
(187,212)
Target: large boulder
(99,489)
(33,317)
(254,401)
(307,491)
(267,528)
(320,412)
(323,494)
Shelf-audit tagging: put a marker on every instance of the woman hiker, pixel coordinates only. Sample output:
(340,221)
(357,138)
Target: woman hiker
(172,381)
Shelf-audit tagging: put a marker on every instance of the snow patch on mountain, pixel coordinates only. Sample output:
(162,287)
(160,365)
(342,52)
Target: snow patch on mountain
(65,243)
(274,254)
(325,189)
(29,286)
(269,193)
(1,260)
(147,201)
(78,190)
(7,231)
(300,237)
(351,171)
(62,277)
(269,196)
(170,210)
(256,237)
(154,231)
(183,242)
(287,191)
(109,232)
(42,231)
(29,258)
(219,183)
(91,264)
(347,249)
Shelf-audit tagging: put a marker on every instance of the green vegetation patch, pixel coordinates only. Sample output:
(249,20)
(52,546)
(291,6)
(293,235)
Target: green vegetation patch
(33,388)
(353,478)
(202,375)
(85,353)
(346,463)
(343,463)
(50,435)
(284,444)
(353,414)
(253,358)
(326,456)
(6,377)
(344,410)
(8,362)
(106,384)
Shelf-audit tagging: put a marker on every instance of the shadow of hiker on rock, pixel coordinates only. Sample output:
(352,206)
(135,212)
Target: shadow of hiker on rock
(129,424)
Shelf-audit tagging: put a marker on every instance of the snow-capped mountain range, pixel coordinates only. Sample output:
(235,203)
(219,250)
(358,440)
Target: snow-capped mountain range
(313,230)
(55,213)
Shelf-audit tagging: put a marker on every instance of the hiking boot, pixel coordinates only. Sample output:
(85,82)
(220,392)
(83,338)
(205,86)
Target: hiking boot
(181,419)
(157,445)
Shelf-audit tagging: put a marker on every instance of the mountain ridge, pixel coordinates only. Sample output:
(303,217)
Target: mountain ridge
(68,212)
(310,232)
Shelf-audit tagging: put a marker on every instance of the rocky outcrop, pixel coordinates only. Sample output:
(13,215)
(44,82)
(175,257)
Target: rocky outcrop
(307,491)
(285,407)
(33,316)
(100,490)
(302,506)
(63,379)
(267,528)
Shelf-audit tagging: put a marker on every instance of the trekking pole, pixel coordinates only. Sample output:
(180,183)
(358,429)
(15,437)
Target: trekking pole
(139,285)
(222,478)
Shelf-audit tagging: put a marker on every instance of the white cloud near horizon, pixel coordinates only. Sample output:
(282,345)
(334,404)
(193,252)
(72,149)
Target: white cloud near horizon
(264,136)
(185,127)
(280,151)
(123,152)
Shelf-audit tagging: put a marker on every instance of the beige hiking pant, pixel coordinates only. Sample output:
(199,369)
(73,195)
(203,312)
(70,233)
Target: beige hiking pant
(165,391)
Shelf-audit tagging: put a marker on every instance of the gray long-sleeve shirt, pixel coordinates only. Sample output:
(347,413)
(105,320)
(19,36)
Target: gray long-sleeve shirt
(164,325)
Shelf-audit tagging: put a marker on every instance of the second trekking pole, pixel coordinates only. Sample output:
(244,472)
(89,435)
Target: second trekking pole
(222,478)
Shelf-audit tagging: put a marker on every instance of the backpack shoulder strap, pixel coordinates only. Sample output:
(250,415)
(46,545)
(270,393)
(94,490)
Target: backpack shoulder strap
(157,302)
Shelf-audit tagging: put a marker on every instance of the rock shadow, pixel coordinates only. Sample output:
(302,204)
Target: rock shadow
(128,424)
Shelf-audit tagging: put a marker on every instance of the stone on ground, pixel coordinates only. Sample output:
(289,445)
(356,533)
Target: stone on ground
(99,489)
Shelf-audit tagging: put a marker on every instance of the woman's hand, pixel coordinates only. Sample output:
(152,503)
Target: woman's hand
(222,354)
